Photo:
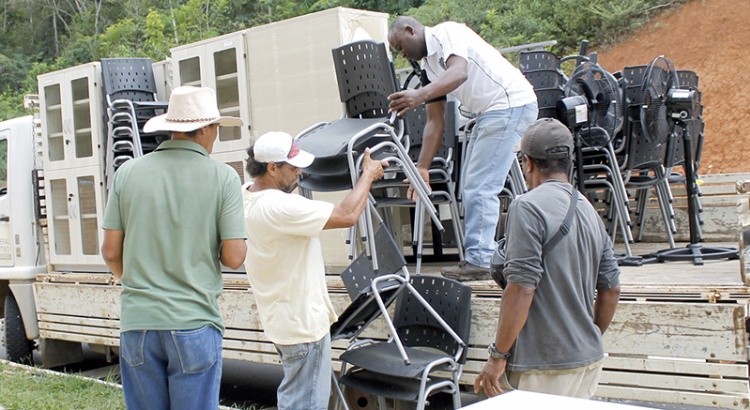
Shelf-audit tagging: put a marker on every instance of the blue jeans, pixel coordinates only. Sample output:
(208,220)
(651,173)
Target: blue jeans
(307,375)
(488,160)
(171,369)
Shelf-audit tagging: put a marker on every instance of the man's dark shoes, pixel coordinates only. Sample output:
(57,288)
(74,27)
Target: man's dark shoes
(465,271)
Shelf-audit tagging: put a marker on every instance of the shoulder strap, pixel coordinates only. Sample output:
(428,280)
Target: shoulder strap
(565,226)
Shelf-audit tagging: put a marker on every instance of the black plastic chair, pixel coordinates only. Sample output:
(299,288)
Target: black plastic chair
(547,99)
(365,79)
(130,100)
(542,69)
(358,279)
(538,60)
(432,324)
(371,291)
(390,193)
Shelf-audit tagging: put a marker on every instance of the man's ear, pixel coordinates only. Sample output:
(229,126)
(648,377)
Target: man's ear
(202,131)
(529,164)
(271,168)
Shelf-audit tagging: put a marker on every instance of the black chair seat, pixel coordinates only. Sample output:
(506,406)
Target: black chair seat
(362,311)
(325,183)
(358,277)
(330,165)
(385,385)
(436,197)
(384,358)
(333,138)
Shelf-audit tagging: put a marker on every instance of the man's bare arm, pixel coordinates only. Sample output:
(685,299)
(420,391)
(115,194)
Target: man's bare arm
(455,74)
(605,306)
(112,249)
(233,253)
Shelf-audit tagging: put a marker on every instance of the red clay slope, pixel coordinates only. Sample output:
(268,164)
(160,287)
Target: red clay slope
(710,37)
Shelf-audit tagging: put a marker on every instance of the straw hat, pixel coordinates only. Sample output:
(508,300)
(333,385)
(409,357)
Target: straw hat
(190,108)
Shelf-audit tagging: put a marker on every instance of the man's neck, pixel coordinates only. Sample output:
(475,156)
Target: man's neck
(262,184)
(561,177)
(201,140)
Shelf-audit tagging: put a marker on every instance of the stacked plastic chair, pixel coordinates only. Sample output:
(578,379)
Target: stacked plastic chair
(390,193)
(542,69)
(427,348)
(130,98)
(365,78)
(371,291)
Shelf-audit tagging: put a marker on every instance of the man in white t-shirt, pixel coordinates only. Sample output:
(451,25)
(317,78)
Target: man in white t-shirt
(285,263)
(457,61)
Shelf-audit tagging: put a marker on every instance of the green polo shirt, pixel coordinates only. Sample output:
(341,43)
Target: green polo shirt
(175,206)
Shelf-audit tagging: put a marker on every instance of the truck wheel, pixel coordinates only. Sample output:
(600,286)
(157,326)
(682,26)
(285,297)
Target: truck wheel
(17,347)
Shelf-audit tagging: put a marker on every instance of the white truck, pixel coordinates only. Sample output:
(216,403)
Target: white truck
(21,255)
(679,334)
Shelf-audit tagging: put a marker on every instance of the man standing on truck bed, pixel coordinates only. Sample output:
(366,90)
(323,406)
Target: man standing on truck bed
(285,263)
(172,216)
(459,62)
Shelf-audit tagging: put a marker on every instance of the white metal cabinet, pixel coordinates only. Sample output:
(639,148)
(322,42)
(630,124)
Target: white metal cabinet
(219,63)
(163,79)
(292,76)
(75,213)
(71,114)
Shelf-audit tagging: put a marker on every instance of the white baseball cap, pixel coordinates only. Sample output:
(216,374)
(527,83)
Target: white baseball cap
(277,146)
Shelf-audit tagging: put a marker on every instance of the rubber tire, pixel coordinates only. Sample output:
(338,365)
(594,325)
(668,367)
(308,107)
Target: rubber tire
(18,348)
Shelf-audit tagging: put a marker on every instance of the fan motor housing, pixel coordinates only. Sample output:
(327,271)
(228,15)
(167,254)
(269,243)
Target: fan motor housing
(682,103)
(573,111)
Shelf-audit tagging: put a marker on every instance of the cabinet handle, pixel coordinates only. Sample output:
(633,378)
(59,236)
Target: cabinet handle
(4,218)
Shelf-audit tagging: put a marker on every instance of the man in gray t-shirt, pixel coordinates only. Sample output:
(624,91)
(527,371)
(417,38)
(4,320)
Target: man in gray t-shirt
(556,305)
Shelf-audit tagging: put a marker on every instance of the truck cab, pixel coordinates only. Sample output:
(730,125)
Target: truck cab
(21,253)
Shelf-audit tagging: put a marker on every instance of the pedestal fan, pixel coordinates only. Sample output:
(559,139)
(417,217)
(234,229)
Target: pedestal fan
(666,106)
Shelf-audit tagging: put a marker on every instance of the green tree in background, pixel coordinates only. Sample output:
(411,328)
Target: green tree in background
(38,36)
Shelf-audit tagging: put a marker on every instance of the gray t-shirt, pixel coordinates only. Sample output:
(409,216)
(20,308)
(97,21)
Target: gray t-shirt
(560,332)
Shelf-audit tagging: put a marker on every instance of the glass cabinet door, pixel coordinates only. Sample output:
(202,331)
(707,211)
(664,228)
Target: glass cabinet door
(87,205)
(190,71)
(82,136)
(54,122)
(60,223)
(75,217)
(72,123)
(227,91)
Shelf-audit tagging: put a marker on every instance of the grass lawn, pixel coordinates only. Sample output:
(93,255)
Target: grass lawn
(29,388)
(24,388)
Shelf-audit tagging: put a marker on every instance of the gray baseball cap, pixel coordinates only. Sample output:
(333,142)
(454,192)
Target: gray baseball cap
(547,138)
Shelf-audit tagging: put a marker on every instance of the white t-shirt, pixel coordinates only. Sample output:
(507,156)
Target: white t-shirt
(493,83)
(285,265)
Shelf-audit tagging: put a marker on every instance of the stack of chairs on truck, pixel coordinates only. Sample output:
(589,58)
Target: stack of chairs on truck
(130,100)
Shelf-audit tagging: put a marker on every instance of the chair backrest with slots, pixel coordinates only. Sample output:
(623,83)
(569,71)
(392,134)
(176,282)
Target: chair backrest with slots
(450,299)
(365,78)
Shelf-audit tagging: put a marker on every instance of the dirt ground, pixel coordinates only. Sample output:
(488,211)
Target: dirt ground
(711,38)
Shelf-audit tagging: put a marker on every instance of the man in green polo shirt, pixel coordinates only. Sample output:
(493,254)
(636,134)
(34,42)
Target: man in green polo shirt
(171,217)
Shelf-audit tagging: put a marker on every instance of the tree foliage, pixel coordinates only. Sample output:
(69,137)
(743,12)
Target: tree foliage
(38,36)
